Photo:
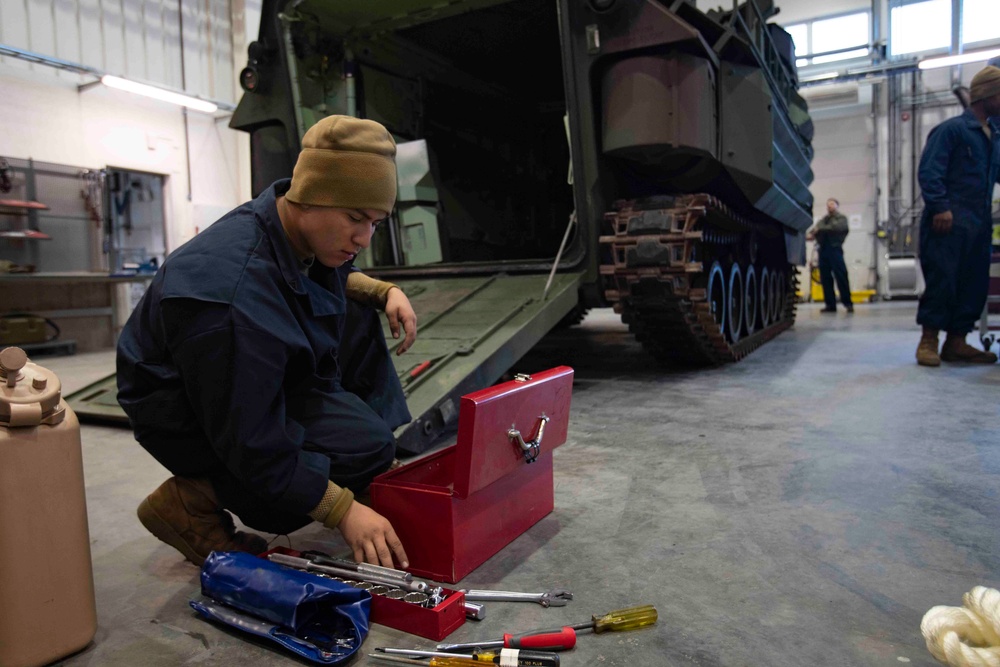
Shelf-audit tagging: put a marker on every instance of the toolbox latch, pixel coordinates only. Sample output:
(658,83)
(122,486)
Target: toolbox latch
(532,448)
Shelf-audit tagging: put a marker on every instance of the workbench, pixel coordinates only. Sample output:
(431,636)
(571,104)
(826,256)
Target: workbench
(90,308)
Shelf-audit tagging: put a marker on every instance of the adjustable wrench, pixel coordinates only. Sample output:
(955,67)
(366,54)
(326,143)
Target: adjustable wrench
(557,597)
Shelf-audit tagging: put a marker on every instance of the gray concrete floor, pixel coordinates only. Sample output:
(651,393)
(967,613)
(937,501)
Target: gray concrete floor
(804,507)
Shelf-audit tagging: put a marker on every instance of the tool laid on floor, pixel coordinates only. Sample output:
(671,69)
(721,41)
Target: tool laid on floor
(433,662)
(631,618)
(561,639)
(475,611)
(557,597)
(546,640)
(507,657)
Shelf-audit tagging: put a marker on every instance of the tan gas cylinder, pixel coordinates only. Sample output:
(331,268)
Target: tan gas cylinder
(47,608)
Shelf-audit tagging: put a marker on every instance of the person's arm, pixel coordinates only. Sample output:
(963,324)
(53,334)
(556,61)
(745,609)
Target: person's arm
(933,171)
(368,533)
(838,224)
(821,228)
(388,297)
(995,138)
(367,290)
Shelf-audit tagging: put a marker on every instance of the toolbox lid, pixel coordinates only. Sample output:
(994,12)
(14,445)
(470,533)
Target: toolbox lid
(485,450)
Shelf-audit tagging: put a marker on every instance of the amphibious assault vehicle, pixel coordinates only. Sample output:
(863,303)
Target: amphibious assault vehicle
(553,156)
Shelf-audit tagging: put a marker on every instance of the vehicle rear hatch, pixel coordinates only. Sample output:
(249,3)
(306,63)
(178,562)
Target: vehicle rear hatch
(473,93)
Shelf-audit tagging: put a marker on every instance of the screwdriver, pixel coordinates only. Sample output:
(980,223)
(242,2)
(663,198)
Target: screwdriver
(506,656)
(631,618)
(564,638)
(433,662)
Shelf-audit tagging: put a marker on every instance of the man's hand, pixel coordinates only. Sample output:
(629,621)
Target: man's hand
(399,312)
(371,537)
(810,235)
(942,222)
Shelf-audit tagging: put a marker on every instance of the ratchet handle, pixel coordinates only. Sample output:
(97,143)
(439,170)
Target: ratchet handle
(555,640)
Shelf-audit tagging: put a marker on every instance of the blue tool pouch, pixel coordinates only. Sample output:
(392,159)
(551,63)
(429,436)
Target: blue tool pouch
(319,619)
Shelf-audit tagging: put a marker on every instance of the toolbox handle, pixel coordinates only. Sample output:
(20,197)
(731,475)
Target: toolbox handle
(532,448)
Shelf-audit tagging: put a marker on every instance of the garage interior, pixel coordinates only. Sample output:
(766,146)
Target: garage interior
(806,505)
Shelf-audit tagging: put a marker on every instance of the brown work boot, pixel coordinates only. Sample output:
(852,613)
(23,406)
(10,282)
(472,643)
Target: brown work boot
(927,349)
(956,349)
(184,513)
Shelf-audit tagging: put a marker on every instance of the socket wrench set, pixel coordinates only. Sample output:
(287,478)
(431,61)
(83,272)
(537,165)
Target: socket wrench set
(399,600)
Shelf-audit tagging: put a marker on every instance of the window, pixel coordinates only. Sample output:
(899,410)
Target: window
(800,36)
(922,26)
(845,36)
(837,34)
(980,21)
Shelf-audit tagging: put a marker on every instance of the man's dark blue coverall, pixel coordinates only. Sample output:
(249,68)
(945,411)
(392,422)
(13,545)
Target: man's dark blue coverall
(958,168)
(237,367)
(830,234)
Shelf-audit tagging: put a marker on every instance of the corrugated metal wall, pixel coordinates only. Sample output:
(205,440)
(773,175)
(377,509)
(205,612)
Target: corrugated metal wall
(137,39)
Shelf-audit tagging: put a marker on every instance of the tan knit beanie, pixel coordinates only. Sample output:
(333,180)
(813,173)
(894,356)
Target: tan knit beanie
(346,162)
(985,84)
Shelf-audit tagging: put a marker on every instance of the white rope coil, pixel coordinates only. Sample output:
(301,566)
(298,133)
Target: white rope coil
(966,636)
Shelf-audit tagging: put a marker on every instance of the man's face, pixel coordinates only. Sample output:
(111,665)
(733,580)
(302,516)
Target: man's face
(337,235)
(992,105)
(831,206)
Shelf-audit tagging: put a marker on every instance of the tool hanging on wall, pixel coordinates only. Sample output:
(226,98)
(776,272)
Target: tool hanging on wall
(91,183)
(6,184)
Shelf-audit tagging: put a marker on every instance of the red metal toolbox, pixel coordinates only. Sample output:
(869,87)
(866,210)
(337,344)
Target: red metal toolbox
(433,623)
(456,508)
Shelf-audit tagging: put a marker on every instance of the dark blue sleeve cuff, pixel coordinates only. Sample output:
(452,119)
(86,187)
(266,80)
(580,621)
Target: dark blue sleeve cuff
(309,481)
(938,206)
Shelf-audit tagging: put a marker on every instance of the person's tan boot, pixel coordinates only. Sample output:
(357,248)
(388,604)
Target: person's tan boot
(184,513)
(927,349)
(956,349)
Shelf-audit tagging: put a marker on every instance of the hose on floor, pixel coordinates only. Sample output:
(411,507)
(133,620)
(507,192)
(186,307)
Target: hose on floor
(967,636)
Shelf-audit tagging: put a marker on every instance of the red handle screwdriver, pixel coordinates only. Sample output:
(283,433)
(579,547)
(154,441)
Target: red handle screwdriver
(562,639)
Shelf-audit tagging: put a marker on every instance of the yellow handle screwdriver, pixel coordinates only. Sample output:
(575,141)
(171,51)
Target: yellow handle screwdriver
(621,619)
(630,618)
(433,662)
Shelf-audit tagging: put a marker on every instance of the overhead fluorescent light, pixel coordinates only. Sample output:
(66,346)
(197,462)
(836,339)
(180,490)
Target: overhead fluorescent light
(159,94)
(948,61)
(821,77)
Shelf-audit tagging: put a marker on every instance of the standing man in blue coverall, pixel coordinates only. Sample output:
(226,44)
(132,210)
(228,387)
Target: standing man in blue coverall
(255,370)
(829,233)
(958,168)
